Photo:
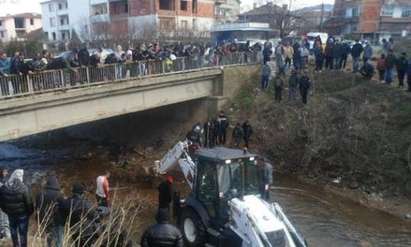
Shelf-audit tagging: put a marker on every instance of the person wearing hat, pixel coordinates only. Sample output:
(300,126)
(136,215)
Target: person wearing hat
(163,233)
(81,216)
(48,206)
(16,202)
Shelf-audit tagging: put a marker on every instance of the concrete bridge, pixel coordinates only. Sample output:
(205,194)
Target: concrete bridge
(64,107)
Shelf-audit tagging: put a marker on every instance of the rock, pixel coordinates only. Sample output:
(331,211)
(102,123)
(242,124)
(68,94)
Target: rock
(354,185)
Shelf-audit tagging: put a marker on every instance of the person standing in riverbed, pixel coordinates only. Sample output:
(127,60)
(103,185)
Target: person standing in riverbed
(49,208)
(16,202)
(103,190)
(4,220)
(165,193)
(162,234)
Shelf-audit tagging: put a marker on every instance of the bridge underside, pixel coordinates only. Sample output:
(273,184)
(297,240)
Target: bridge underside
(54,110)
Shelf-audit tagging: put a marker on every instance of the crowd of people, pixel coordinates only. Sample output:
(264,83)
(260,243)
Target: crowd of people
(197,54)
(53,211)
(293,55)
(214,132)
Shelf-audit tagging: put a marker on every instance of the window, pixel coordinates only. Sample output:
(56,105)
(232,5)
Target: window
(208,188)
(63,36)
(51,7)
(60,6)
(166,5)
(355,12)
(1,23)
(52,22)
(387,10)
(54,35)
(32,21)
(183,5)
(1,34)
(19,22)
(406,12)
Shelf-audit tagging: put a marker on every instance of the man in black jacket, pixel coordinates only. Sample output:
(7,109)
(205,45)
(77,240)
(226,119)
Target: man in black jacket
(16,202)
(402,66)
(48,205)
(247,131)
(222,128)
(162,234)
(237,135)
(82,216)
(356,51)
(165,193)
(305,85)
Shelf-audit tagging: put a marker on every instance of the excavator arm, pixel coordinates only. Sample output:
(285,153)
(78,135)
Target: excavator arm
(178,156)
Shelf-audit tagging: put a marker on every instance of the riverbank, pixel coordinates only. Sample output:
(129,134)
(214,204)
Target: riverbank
(353,137)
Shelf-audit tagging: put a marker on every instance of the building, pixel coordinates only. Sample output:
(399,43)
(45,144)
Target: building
(242,32)
(314,16)
(63,17)
(16,27)
(102,19)
(227,11)
(171,17)
(371,19)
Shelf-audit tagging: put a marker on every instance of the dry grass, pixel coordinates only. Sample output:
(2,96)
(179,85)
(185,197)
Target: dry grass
(117,229)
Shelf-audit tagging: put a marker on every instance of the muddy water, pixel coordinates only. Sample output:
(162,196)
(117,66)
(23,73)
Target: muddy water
(324,219)
(329,220)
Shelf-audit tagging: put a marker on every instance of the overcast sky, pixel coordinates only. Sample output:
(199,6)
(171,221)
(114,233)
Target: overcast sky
(20,6)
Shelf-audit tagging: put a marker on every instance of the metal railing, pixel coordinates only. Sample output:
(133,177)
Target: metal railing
(39,82)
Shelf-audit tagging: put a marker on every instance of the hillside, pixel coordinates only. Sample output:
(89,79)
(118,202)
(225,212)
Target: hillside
(356,133)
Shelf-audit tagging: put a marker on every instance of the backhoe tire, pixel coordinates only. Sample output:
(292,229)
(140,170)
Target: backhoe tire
(192,228)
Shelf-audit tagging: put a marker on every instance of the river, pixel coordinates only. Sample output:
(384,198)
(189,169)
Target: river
(326,220)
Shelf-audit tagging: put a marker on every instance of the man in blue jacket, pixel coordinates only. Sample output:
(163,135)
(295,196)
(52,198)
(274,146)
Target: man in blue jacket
(4,64)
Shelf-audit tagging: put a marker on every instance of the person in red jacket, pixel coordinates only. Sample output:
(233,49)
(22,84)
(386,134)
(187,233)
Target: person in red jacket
(103,189)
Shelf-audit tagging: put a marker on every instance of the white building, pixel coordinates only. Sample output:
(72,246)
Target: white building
(227,11)
(15,27)
(63,17)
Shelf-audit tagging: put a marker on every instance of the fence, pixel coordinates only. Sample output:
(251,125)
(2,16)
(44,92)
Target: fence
(39,82)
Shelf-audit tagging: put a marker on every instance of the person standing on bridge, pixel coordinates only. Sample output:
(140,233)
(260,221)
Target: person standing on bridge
(103,189)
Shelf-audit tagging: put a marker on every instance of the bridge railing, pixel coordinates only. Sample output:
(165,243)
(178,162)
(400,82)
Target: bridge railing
(45,81)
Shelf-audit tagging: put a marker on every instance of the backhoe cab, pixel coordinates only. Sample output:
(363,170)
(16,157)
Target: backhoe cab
(222,174)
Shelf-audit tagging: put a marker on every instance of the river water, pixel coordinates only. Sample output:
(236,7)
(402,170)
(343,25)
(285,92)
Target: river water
(326,220)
